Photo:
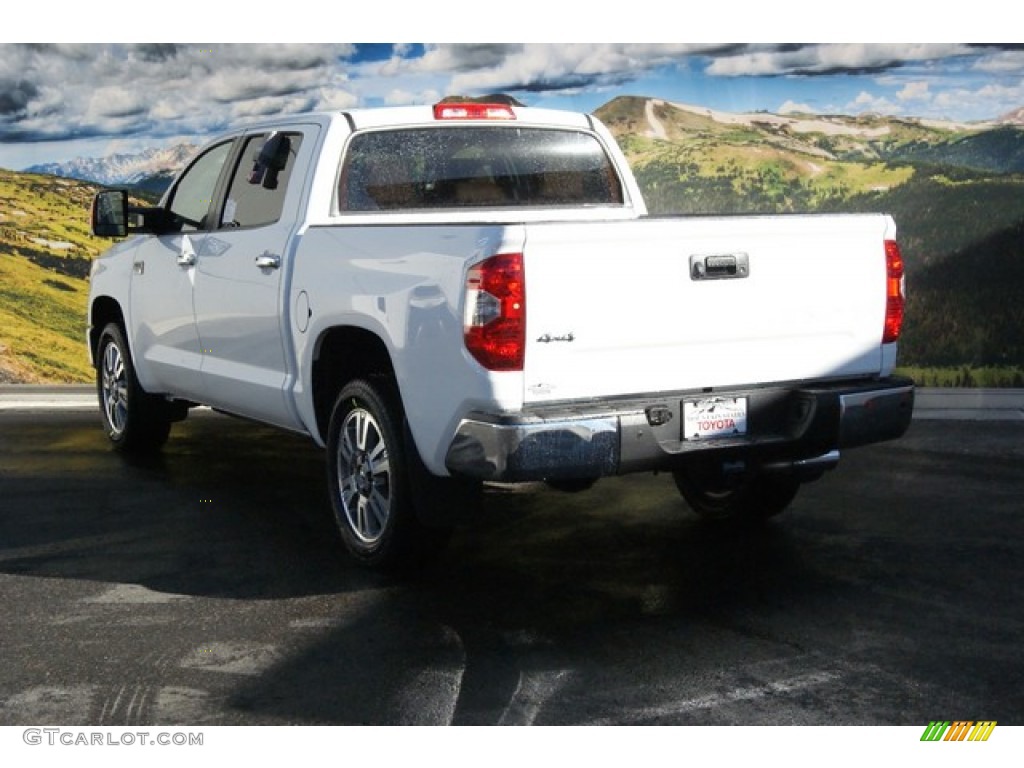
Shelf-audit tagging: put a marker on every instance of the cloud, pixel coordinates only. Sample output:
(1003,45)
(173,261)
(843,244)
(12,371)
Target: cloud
(867,102)
(157,51)
(278,56)
(540,67)
(401,97)
(112,101)
(571,68)
(449,58)
(59,92)
(251,83)
(830,59)
(268,106)
(335,98)
(915,91)
(996,99)
(791,107)
(1002,62)
(16,95)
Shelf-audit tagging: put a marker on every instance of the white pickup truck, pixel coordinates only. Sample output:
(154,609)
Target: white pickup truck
(449,295)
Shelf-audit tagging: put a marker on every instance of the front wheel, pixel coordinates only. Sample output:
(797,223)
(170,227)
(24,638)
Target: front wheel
(135,421)
(368,466)
(748,497)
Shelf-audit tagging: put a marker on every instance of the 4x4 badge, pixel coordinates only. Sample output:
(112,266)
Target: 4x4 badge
(547,338)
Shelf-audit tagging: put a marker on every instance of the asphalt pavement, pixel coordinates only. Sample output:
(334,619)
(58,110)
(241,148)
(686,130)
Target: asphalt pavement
(208,586)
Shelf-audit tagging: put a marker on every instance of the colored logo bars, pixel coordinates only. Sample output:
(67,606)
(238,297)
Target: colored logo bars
(960,730)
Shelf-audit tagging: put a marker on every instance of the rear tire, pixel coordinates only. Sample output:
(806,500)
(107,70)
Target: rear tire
(750,497)
(368,466)
(135,421)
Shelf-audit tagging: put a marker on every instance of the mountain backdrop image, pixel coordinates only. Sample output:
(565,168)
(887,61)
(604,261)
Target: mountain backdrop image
(151,169)
(956,191)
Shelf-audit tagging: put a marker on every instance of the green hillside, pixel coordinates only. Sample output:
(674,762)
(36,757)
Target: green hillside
(687,161)
(45,252)
(1000,150)
(968,308)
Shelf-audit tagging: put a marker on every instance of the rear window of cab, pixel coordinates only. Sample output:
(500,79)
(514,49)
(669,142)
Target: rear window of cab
(476,166)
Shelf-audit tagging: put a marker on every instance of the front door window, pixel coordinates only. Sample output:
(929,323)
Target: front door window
(192,196)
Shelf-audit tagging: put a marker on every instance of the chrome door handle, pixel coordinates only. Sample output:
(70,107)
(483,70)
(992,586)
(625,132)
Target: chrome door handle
(187,259)
(268,261)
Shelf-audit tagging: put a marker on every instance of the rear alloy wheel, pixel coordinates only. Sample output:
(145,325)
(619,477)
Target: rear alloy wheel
(745,497)
(369,483)
(135,421)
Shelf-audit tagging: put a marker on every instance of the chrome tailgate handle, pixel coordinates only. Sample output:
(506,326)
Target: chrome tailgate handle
(719,266)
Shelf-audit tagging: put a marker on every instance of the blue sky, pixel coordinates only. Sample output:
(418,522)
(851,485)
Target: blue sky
(59,101)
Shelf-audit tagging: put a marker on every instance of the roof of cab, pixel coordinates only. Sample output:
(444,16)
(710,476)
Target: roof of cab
(398,117)
(381,117)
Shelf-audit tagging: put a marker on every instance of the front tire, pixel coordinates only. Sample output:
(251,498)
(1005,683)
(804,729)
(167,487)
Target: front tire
(749,497)
(368,463)
(135,421)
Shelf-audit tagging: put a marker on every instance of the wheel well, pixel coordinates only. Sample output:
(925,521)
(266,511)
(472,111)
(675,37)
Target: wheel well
(104,310)
(344,354)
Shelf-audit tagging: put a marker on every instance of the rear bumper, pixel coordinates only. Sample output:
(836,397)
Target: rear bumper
(785,426)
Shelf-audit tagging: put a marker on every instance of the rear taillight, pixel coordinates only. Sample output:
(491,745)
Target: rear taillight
(894,298)
(495,319)
(472,111)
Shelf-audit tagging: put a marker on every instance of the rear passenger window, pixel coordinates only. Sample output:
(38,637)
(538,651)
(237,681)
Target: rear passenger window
(256,194)
(424,168)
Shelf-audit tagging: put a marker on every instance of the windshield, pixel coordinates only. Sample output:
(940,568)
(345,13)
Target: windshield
(493,166)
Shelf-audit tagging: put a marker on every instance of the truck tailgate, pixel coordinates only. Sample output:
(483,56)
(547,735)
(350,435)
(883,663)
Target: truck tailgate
(689,303)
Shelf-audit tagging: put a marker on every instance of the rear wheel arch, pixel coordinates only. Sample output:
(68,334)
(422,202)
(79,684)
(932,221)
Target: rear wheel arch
(372,475)
(343,354)
(357,361)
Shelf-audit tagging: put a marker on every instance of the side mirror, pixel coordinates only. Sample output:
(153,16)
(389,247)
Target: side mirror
(270,160)
(113,217)
(110,213)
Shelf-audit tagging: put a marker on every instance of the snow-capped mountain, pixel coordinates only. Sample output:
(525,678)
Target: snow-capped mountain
(121,168)
(1016,117)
